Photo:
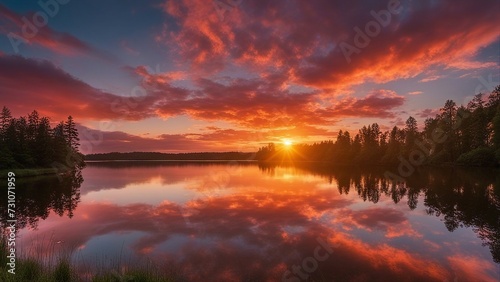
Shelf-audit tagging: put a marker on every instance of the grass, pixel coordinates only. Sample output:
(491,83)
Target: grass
(37,269)
(32,270)
(29,172)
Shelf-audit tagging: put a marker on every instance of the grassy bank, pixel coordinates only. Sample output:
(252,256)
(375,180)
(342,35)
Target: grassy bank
(31,270)
(29,172)
(34,269)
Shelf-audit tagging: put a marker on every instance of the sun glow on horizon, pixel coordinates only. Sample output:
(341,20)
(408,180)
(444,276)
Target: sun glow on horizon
(287,142)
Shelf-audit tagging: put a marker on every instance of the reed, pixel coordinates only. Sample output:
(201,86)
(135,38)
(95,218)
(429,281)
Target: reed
(61,268)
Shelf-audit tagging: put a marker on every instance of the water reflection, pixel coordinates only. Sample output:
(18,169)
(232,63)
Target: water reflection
(37,197)
(464,197)
(219,222)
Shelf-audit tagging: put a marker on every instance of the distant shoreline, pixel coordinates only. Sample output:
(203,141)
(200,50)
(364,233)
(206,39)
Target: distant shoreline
(157,156)
(267,162)
(132,160)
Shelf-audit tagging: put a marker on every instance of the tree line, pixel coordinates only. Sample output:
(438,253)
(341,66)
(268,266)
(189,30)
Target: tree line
(468,135)
(31,142)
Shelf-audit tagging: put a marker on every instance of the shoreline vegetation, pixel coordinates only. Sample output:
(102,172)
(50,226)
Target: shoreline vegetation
(30,146)
(36,269)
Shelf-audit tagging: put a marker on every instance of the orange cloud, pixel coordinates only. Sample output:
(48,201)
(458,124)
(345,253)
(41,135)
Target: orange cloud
(301,38)
(251,103)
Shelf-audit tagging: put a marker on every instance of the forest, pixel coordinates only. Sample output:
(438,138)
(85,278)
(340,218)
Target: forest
(31,142)
(464,135)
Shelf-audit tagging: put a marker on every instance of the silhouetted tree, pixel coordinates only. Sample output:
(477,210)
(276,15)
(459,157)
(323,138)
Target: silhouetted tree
(71,133)
(5,120)
(411,135)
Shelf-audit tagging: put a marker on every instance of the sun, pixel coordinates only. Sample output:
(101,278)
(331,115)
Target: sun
(287,142)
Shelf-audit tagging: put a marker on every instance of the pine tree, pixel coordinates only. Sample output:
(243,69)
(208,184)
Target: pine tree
(394,146)
(6,157)
(5,119)
(71,134)
(33,123)
(411,132)
(496,133)
(60,144)
(478,122)
(447,123)
(43,147)
(494,99)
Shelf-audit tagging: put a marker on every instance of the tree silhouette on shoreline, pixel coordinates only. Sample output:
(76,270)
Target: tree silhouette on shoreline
(467,135)
(31,142)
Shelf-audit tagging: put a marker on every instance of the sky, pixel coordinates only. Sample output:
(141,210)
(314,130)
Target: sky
(234,75)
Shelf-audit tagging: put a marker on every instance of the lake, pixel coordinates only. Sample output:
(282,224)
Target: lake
(229,221)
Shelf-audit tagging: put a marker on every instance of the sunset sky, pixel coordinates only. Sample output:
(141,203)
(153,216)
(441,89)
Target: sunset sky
(202,75)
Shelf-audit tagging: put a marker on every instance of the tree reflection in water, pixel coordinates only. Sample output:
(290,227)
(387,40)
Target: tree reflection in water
(36,197)
(464,197)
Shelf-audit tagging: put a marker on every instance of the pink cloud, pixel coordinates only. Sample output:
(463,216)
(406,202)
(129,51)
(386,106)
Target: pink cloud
(29,84)
(470,268)
(415,93)
(254,104)
(390,221)
(302,37)
(378,103)
(430,78)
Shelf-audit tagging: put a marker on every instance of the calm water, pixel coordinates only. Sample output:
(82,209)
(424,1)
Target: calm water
(245,222)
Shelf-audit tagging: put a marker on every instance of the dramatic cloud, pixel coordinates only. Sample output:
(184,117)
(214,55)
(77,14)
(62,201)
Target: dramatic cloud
(251,103)
(266,103)
(28,84)
(303,38)
(260,67)
(23,30)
